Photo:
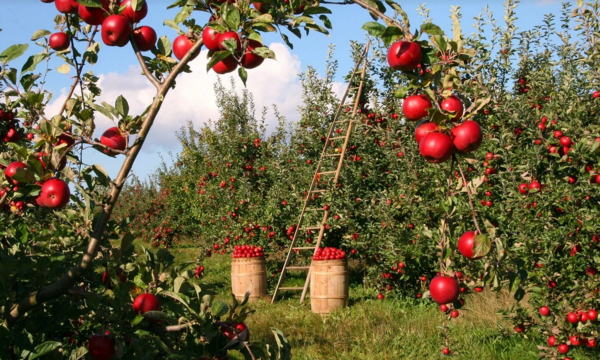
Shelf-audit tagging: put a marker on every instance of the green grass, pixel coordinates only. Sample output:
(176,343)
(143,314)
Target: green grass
(371,329)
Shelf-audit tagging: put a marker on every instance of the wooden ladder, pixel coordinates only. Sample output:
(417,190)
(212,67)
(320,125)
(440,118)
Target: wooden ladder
(331,137)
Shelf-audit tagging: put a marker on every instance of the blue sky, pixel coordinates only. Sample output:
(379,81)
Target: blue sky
(274,82)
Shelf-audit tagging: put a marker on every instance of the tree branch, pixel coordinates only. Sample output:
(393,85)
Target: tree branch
(70,277)
(83,293)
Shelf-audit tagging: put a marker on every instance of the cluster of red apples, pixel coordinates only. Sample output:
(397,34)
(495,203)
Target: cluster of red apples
(116,26)
(329,253)
(435,144)
(247,251)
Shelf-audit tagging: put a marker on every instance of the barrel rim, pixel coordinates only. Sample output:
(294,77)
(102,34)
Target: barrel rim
(316,262)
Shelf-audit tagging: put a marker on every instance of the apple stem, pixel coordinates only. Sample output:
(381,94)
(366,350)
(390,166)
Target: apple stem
(466,184)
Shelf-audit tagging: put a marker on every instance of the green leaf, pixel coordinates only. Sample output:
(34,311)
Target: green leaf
(374,28)
(313,10)
(137,4)
(45,348)
(91,3)
(79,353)
(218,56)
(33,61)
(233,18)
(219,308)
(391,34)
(431,29)
(102,175)
(177,283)
(138,319)
(481,245)
(122,106)
(64,69)
(13,52)
(39,34)
(164,46)
(172,24)
(243,75)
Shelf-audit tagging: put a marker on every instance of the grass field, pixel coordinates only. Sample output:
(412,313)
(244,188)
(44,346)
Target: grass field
(395,328)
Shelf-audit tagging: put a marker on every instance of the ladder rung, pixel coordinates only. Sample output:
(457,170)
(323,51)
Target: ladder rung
(319,191)
(304,248)
(297,268)
(337,138)
(331,155)
(291,288)
(327,172)
(311,228)
(315,209)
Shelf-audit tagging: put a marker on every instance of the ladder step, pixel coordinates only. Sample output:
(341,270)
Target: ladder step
(291,288)
(314,209)
(327,172)
(337,138)
(297,268)
(304,248)
(311,228)
(320,191)
(331,155)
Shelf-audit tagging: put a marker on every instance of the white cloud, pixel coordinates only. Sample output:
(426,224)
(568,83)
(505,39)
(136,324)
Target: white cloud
(274,82)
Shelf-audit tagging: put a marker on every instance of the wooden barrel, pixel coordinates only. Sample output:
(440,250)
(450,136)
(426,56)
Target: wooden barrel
(328,285)
(248,273)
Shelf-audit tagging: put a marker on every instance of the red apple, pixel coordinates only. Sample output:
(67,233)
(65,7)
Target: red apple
(59,41)
(55,194)
(563,348)
(210,38)
(227,36)
(250,60)
(565,141)
(558,134)
(436,147)
(467,137)
(12,135)
(66,6)
(596,94)
(466,243)
(145,38)
(134,16)
(262,8)
(592,315)
(591,343)
(544,311)
(572,318)
(552,341)
(404,55)
(575,341)
(415,107)
(424,128)
(11,170)
(226,65)
(443,289)
(535,185)
(116,30)
(523,188)
(146,302)
(101,347)
(182,45)
(455,105)
(114,139)
(93,15)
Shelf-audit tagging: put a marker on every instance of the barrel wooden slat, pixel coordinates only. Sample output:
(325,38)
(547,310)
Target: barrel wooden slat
(247,272)
(328,286)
